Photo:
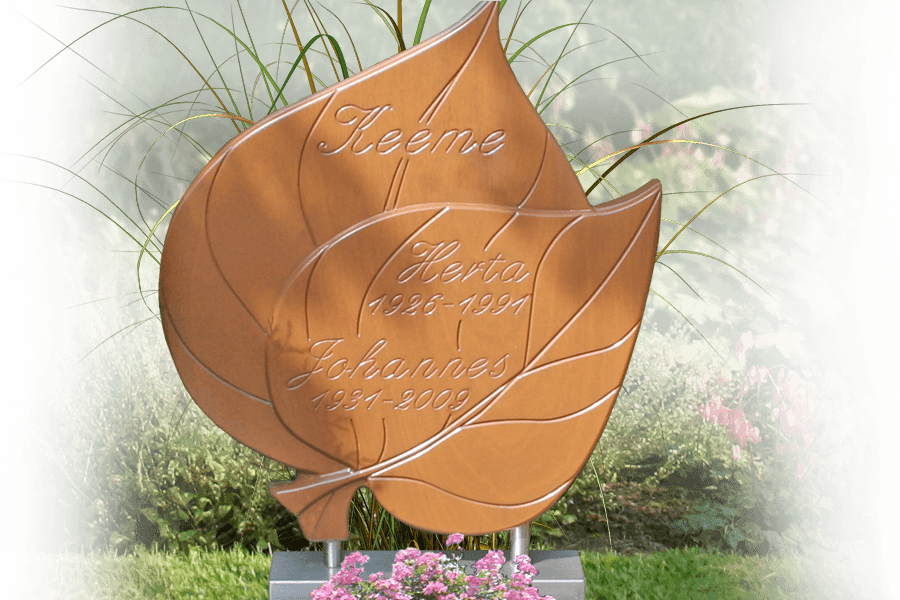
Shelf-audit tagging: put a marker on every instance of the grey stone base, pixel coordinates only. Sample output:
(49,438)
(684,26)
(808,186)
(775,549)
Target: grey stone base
(295,574)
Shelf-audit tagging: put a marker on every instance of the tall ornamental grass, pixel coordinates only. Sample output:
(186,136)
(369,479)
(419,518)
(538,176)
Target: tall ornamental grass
(144,468)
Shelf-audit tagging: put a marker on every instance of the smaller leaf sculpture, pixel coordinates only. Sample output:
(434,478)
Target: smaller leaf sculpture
(398,283)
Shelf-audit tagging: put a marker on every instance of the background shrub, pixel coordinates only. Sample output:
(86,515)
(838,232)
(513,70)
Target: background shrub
(763,205)
(140,464)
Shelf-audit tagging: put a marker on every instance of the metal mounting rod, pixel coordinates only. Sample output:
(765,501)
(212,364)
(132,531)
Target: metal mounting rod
(332,551)
(519,540)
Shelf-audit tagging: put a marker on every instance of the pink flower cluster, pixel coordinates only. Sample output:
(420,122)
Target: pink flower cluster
(782,172)
(734,420)
(791,407)
(432,576)
(642,132)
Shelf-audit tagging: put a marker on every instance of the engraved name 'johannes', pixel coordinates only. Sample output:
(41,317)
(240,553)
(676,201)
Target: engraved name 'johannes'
(330,365)
(359,121)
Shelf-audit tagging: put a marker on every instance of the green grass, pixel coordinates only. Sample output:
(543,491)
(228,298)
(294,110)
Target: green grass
(145,574)
(690,573)
(731,250)
(236,574)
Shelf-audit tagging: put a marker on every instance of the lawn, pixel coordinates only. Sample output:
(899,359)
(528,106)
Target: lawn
(689,573)
(707,448)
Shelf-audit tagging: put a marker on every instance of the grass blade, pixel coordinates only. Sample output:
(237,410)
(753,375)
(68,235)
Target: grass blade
(519,12)
(421,26)
(312,86)
(302,57)
(718,259)
(671,127)
(350,37)
(262,67)
(400,18)
(209,52)
(691,323)
(389,22)
(316,20)
(536,38)
(65,47)
(256,54)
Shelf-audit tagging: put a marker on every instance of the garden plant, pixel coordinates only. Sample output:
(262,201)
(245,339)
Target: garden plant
(705,449)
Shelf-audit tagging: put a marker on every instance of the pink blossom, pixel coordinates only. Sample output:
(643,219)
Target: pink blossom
(354,558)
(490,561)
(475,583)
(454,539)
(428,558)
(401,570)
(523,563)
(701,383)
(757,374)
(682,131)
(744,344)
(412,553)
(601,148)
(434,587)
(789,159)
(736,452)
(640,133)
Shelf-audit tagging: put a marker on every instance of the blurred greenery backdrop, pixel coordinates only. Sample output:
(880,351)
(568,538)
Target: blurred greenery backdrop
(811,252)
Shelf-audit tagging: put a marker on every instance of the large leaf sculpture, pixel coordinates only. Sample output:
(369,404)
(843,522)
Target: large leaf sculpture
(399,283)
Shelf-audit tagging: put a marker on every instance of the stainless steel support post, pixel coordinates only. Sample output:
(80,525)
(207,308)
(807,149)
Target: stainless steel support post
(332,551)
(519,540)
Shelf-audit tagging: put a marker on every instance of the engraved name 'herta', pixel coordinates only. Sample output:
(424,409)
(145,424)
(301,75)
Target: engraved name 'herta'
(359,121)
(431,264)
(434,266)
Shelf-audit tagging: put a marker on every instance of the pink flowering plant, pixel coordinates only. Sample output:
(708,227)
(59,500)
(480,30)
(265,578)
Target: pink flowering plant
(784,408)
(786,418)
(420,575)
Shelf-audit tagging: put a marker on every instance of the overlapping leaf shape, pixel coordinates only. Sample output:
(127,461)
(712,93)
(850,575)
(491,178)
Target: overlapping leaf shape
(398,283)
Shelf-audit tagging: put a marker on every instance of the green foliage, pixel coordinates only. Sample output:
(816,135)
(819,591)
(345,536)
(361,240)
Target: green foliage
(156,471)
(240,574)
(655,436)
(655,431)
(756,201)
(139,152)
(231,574)
(689,574)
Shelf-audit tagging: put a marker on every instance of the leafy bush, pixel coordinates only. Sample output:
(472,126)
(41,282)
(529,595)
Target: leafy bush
(654,429)
(156,470)
(151,468)
(756,200)
(654,432)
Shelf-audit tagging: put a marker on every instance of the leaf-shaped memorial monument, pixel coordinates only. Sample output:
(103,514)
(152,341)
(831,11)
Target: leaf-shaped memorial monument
(399,283)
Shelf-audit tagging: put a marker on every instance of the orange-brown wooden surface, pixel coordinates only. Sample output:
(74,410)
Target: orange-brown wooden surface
(399,283)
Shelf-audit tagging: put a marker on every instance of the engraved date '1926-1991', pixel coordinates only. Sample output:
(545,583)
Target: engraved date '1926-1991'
(346,382)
